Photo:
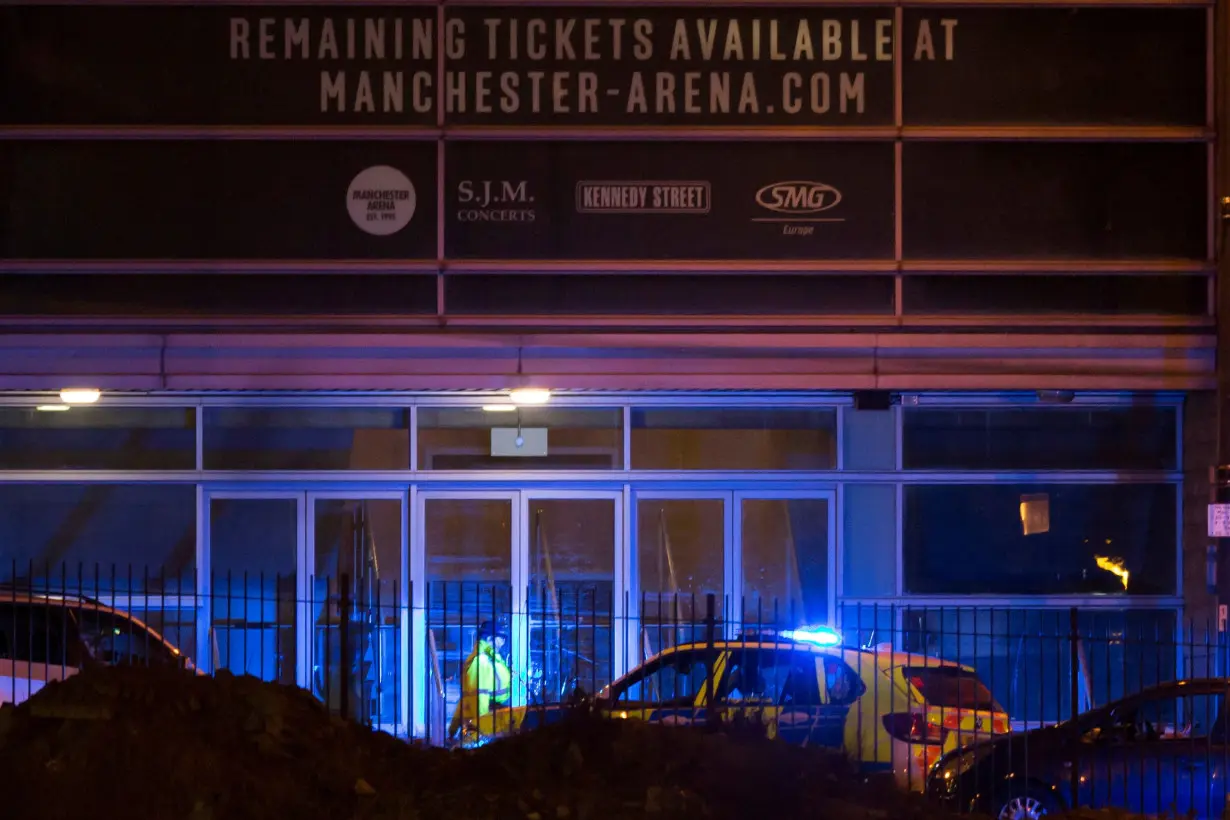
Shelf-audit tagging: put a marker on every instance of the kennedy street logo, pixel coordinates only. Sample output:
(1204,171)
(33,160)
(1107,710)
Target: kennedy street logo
(381,200)
(643,197)
(797,205)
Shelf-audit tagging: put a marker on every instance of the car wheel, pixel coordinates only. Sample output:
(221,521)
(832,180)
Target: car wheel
(1031,804)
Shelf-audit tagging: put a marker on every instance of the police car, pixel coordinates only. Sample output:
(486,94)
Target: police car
(888,710)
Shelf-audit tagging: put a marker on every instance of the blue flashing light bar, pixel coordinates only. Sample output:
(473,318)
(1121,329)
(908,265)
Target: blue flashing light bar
(818,635)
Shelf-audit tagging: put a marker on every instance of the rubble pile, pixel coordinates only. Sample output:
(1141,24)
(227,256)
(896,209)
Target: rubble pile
(169,745)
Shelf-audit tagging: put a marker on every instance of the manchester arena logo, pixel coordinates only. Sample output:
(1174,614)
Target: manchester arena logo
(381,200)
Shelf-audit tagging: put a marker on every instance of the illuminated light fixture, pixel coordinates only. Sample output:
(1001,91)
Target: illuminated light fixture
(80,395)
(499,408)
(1115,567)
(530,396)
(817,635)
(52,408)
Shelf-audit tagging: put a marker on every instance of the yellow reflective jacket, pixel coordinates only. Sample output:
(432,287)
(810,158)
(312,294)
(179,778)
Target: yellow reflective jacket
(486,683)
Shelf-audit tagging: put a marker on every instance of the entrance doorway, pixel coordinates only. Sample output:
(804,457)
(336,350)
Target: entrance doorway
(544,562)
(309,588)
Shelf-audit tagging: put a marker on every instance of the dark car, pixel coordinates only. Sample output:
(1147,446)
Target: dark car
(1161,751)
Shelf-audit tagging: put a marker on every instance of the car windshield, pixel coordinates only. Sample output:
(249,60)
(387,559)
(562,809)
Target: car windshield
(951,687)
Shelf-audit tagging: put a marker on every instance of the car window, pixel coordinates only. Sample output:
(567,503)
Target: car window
(1171,717)
(36,633)
(674,680)
(770,676)
(951,687)
(841,683)
(114,640)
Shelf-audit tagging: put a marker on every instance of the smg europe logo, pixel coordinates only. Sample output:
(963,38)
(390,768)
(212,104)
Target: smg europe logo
(798,205)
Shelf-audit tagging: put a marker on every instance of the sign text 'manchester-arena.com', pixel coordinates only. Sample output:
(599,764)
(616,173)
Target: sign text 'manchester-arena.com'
(595,64)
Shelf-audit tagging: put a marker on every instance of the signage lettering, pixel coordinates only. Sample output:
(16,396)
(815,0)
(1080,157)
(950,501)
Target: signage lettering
(643,197)
(533,66)
(602,66)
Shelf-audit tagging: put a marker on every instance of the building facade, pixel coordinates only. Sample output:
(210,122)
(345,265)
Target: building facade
(899,317)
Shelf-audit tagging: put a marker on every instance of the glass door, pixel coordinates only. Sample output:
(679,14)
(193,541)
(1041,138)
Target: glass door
(310,588)
(572,543)
(680,559)
(357,606)
(784,545)
(253,586)
(464,556)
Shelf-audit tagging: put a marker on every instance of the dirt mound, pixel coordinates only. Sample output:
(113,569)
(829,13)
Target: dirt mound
(154,743)
(168,745)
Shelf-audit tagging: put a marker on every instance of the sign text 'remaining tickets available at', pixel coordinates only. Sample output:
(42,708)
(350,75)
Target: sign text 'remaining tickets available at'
(597,65)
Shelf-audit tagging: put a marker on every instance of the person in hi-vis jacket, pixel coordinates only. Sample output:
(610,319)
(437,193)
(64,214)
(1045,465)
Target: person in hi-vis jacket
(486,679)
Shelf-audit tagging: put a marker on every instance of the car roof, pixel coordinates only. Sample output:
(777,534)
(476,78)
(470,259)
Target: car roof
(883,655)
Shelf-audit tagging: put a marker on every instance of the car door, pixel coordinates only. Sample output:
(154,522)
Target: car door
(37,646)
(800,696)
(1159,754)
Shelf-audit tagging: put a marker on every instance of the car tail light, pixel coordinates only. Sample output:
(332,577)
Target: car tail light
(912,727)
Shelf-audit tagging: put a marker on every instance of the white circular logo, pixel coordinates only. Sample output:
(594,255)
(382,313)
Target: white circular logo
(381,200)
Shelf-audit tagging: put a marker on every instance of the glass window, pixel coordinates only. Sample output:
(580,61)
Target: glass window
(1111,539)
(1135,437)
(115,641)
(99,539)
(674,680)
(734,439)
(37,634)
(358,543)
(572,577)
(98,438)
(468,545)
(284,438)
(253,551)
(1168,717)
(950,687)
(1024,656)
(561,438)
(785,561)
(842,684)
(759,676)
(680,557)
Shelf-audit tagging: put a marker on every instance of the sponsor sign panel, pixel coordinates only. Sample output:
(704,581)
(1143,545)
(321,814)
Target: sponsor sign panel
(1090,65)
(217,65)
(658,200)
(1057,200)
(138,199)
(625,65)
(645,65)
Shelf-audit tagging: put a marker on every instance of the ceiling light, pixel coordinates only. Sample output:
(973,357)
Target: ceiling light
(499,408)
(530,395)
(80,395)
(52,408)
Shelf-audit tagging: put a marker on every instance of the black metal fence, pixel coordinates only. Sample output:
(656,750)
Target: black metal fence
(900,687)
